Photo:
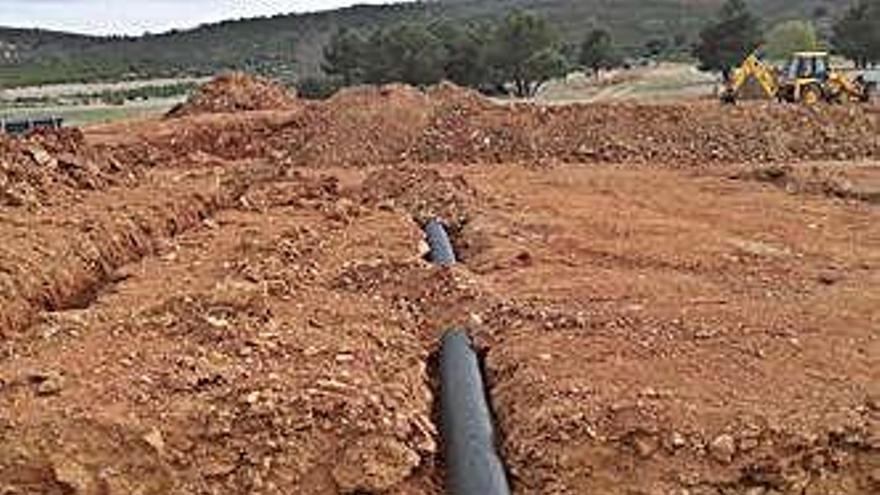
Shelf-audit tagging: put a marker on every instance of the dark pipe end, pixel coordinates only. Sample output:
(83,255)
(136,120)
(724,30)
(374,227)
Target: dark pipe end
(442,252)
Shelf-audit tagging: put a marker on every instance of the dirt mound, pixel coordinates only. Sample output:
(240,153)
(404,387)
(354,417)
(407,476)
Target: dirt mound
(685,134)
(358,127)
(448,93)
(464,124)
(423,193)
(395,95)
(452,124)
(51,164)
(837,181)
(398,124)
(369,125)
(236,91)
(704,133)
(199,140)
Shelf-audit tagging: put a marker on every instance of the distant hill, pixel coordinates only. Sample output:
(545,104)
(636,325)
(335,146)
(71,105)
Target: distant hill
(289,46)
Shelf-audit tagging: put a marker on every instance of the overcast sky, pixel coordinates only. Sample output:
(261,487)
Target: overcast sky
(136,17)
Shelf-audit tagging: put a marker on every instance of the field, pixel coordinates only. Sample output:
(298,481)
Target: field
(98,113)
(663,82)
(83,104)
(669,299)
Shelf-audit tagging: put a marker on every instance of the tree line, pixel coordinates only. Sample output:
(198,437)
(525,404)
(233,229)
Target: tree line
(857,34)
(519,52)
(516,54)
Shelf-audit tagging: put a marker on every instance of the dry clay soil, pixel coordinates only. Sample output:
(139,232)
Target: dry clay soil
(252,313)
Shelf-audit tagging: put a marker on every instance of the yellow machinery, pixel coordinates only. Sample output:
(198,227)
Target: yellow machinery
(809,80)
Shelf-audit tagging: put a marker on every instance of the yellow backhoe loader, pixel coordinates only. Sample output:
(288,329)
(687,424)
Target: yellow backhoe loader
(809,80)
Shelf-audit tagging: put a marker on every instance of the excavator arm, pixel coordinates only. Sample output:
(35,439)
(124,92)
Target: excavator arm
(842,88)
(752,66)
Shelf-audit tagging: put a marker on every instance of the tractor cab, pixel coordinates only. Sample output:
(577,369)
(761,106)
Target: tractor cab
(806,77)
(809,65)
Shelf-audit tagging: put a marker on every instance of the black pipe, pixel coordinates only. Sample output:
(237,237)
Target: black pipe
(473,464)
(438,240)
(472,461)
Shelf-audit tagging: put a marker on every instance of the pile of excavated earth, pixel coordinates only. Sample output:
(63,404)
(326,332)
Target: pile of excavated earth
(395,124)
(52,166)
(678,298)
(234,92)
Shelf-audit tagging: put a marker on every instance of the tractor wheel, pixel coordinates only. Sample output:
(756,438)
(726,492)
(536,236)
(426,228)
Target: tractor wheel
(728,97)
(835,93)
(785,94)
(837,96)
(811,94)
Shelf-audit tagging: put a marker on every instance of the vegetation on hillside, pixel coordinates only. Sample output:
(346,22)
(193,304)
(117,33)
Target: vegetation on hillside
(598,51)
(789,37)
(486,44)
(292,46)
(522,50)
(857,33)
(726,42)
(281,46)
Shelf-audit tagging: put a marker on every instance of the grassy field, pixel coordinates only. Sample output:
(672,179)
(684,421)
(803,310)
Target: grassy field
(79,115)
(49,91)
(84,104)
(657,83)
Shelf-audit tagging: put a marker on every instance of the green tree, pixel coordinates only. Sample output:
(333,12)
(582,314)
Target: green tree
(856,35)
(597,51)
(406,52)
(524,51)
(727,41)
(655,47)
(465,46)
(544,65)
(344,56)
(788,37)
(680,40)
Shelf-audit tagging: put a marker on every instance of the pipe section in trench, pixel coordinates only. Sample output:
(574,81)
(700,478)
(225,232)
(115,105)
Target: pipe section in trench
(438,240)
(473,464)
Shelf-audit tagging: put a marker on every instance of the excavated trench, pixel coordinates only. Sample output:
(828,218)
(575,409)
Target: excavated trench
(281,246)
(77,282)
(187,304)
(462,406)
(105,242)
(473,463)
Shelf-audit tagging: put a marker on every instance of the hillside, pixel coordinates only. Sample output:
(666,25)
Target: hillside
(289,46)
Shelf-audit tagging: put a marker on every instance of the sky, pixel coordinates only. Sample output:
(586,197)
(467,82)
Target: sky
(155,16)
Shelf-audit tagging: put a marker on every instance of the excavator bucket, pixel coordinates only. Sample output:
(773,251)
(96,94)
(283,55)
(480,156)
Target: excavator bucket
(752,89)
(752,80)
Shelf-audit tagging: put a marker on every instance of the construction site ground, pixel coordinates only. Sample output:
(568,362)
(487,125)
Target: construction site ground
(676,299)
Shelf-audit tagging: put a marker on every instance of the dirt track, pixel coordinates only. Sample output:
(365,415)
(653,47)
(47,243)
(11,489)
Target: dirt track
(665,308)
